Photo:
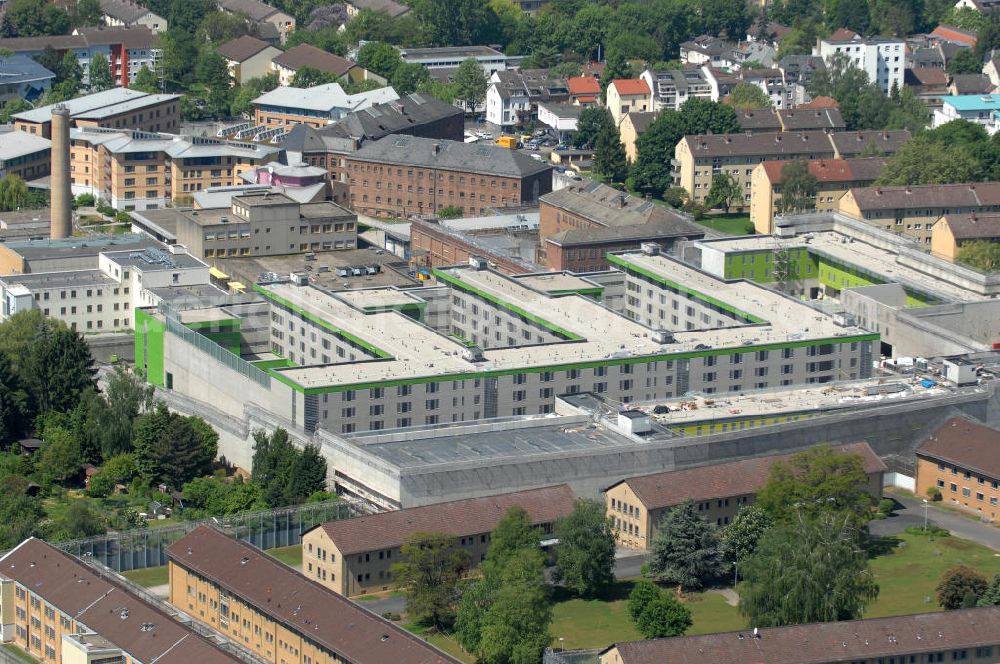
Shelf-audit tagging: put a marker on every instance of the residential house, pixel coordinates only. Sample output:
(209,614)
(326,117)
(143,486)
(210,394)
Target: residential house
(833,178)
(23,78)
(307,55)
(117,108)
(353,556)
(127,50)
(631,128)
(584,90)
(637,504)
(797,72)
(318,106)
(978,109)
(260,13)
(708,50)
(278,614)
(127,14)
(950,33)
(969,634)
(951,231)
(514,94)
(992,69)
(771,32)
(981,6)
(580,225)
(929,84)
(671,88)
(912,211)
(247,57)
(403,176)
(772,83)
(970,84)
(807,119)
(391,7)
(882,58)
(961,459)
(627,96)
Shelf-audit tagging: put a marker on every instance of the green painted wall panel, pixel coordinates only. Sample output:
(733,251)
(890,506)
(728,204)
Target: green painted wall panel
(149,346)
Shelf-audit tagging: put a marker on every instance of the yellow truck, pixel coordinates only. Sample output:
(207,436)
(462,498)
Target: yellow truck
(507,142)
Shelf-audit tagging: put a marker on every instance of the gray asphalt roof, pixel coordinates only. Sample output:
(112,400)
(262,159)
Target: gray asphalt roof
(86,104)
(18,68)
(451,155)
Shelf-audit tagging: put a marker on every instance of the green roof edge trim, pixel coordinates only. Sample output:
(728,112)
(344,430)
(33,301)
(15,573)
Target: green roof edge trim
(458,283)
(617,260)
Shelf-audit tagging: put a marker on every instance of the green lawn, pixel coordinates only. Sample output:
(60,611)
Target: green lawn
(445,643)
(18,653)
(731,224)
(290,555)
(149,577)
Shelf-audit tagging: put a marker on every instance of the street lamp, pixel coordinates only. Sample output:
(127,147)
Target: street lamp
(736,572)
(925,515)
(561,648)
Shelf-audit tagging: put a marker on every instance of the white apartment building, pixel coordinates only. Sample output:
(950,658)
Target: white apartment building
(882,58)
(671,88)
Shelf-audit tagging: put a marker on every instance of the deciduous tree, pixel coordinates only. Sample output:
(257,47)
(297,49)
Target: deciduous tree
(307,77)
(798,188)
(748,97)
(980,254)
(725,192)
(586,554)
(959,584)
(99,74)
(807,571)
(471,84)
(431,568)
(380,58)
(740,538)
(146,81)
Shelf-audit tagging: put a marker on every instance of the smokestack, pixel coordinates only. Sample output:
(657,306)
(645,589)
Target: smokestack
(62,198)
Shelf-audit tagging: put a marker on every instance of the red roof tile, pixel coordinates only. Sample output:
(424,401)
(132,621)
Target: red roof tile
(722,480)
(821,101)
(630,86)
(471,516)
(583,85)
(967,444)
(832,170)
(954,34)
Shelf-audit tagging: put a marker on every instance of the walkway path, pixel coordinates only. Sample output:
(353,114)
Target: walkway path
(912,514)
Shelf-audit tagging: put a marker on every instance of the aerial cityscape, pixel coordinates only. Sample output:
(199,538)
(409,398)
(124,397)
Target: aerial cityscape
(499,331)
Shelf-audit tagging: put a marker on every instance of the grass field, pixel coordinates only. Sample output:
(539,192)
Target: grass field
(907,570)
(290,555)
(18,654)
(149,577)
(731,224)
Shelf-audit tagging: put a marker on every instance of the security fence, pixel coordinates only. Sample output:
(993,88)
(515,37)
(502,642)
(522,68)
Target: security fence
(146,547)
(553,656)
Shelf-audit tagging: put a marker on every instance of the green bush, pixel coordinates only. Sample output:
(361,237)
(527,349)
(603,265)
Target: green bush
(934,493)
(932,531)
(886,505)
(85,200)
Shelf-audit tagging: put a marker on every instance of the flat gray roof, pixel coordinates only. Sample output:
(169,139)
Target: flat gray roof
(155,260)
(85,104)
(15,144)
(47,280)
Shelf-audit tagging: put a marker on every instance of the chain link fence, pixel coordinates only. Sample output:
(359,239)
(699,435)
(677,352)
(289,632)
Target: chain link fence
(140,548)
(552,656)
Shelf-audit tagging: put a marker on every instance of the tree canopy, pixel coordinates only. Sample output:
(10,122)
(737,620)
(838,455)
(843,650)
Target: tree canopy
(430,570)
(981,254)
(685,549)
(585,557)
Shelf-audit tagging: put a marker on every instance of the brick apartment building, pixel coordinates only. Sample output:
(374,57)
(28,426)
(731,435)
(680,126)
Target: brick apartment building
(353,556)
(961,459)
(403,176)
(436,245)
(580,224)
(719,491)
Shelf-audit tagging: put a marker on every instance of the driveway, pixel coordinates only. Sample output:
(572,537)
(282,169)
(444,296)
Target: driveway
(912,514)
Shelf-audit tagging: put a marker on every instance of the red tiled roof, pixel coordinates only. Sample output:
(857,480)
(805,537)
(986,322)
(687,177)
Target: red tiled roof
(951,33)
(832,170)
(324,617)
(471,516)
(842,34)
(856,640)
(966,444)
(821,101)
(721,480)
(583,85)
(630,86)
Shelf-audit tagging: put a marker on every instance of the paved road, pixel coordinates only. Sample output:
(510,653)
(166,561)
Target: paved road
(627,565)
(912,514)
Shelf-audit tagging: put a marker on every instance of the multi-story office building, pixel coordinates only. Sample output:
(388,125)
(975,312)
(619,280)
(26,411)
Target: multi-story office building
(403,176)
(912,211)
(318,106)
(834,177)
(257,224)
(278,614)
(480,345)
(968,635)
(883,59)
(450,57)
(118,108)
(25,155)
(960,460)
(637,504)
(699,159)
(353,556)
(56,609)
(139,170)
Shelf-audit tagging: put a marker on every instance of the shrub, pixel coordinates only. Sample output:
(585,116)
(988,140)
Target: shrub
(934,493)
(85,200)
(886,505)
(932,531)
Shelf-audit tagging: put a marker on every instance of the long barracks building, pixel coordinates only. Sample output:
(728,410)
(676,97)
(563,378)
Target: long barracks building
(480,345)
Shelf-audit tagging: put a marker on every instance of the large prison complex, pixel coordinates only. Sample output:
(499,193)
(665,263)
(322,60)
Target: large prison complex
(479,344)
